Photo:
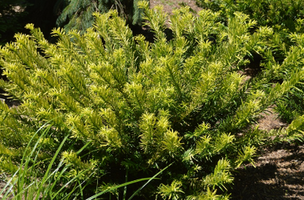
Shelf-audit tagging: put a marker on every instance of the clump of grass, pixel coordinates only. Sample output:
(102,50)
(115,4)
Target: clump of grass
(25,184)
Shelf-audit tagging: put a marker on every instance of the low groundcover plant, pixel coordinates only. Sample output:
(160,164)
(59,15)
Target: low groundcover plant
(138,107)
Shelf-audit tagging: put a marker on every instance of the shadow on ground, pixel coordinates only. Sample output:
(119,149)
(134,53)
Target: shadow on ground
(278,175)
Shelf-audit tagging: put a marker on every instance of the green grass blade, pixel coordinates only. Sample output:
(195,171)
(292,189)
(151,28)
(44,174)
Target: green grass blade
(46,176)
(149,181)
(70,181)
(118,186)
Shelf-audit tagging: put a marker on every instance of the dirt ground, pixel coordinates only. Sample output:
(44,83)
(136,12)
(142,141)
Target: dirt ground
(170,5)
(278,175)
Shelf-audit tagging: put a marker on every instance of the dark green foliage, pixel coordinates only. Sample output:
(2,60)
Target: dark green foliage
(79,14)
(292,106)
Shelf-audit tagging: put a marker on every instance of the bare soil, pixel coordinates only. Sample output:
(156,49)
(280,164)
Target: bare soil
(278,175)
(170,5)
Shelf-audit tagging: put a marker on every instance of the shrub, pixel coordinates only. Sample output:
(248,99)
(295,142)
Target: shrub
(138,107)
(281,14)
(291,106)
(285,17)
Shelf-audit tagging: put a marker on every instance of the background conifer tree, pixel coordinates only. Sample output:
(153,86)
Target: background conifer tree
(78,14)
